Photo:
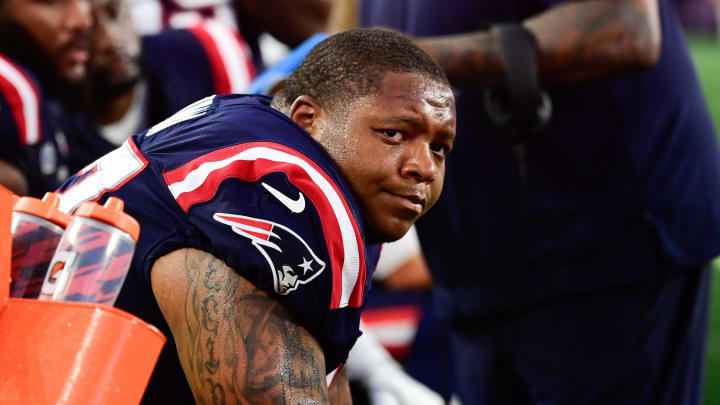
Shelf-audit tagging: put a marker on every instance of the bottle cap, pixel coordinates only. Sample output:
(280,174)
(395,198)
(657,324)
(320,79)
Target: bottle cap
(47,208)
(111,213)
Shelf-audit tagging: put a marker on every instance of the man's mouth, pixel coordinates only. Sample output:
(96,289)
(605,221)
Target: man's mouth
(411,200)
(78,51)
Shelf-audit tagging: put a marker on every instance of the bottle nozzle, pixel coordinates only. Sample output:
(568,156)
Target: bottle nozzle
(52,199)
(115,204)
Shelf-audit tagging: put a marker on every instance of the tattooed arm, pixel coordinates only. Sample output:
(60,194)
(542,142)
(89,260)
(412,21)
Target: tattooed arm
(577,41)
(339,389)
(236,344)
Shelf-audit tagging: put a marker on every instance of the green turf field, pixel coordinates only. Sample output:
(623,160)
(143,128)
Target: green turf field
(706,54)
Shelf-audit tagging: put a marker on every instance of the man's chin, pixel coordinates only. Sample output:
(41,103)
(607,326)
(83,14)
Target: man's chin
(388,231)
(74,74)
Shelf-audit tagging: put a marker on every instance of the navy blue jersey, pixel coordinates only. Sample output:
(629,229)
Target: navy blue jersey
(623,185)
(185,65)
(31,130)
(234,177)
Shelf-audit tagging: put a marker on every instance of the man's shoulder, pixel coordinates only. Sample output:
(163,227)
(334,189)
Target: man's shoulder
(224,123)
(21,102)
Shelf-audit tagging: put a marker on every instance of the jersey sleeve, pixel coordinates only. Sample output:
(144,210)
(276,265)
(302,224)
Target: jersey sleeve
(20,108)
(281,222)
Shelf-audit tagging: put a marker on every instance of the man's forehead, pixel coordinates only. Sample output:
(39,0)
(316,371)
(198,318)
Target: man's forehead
(414,93)
(415,86)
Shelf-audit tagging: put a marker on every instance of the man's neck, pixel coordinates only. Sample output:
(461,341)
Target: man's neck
(113,109)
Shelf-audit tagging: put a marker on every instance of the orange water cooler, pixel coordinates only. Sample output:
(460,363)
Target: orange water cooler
(65,352)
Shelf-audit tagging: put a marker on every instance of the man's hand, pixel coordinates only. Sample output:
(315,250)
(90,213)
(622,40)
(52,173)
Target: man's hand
(237,345)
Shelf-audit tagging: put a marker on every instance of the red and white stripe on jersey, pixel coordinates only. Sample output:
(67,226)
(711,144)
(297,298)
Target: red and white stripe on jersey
(229,56)
(22,95)
(108,173)
(198,181)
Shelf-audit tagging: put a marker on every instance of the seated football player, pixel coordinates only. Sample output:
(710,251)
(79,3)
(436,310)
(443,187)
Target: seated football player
(44,51)
(261,218)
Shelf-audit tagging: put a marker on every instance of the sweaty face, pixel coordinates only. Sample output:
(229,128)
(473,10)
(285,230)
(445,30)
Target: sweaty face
(391,148)
(115,58)
(60,27)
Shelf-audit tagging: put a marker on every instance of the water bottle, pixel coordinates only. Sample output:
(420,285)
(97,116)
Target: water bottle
(94,255)
(37,226)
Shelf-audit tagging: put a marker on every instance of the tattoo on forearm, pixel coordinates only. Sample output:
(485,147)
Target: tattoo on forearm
(576,40)
(467,59)
(597,38)
(242,344)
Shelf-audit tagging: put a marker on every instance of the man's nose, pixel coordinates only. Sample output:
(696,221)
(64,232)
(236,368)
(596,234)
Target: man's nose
(419,163)
(78,15)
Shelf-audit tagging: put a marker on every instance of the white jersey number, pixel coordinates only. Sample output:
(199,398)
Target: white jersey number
(107,173)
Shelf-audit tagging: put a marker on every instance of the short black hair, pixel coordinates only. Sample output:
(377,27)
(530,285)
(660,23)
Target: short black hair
(353,63)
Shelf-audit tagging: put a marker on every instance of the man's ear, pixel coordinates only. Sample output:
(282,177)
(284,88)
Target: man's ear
(307,113)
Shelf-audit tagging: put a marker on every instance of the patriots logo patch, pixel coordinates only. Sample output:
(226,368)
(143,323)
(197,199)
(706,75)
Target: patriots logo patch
(291,260)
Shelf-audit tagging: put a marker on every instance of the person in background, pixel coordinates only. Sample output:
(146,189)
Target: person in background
(138,81)
(571,261)
(268,26)
(44,50)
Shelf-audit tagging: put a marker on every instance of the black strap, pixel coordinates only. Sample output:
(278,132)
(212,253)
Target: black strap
(524,107)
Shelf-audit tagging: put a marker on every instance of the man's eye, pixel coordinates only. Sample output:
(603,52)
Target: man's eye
(441,149)
(391,134)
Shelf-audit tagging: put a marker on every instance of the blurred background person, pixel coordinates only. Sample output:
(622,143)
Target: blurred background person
(571,263)
(44,49)
(270,27)
(139,81)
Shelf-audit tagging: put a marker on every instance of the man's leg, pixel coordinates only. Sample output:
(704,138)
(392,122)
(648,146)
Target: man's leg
(484,374)
(640,344)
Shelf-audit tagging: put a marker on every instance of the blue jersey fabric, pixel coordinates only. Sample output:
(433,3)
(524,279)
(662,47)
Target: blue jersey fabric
(208,178)
(178,70)
(43,156)
(622,186)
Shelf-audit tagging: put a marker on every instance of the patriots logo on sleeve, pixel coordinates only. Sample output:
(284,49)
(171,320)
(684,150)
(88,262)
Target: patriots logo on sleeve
(291,260)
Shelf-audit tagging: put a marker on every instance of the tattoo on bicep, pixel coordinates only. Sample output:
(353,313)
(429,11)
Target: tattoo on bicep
(243,344)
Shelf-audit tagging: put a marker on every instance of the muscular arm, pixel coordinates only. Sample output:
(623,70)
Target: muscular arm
(577,41)
(236,344)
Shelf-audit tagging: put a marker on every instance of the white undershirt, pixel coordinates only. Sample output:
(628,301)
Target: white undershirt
(117,132)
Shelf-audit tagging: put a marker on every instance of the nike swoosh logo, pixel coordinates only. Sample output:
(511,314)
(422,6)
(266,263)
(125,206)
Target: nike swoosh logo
(297,206)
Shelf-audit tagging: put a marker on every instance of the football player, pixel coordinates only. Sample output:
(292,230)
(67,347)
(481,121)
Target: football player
(140,81)
(44,51)
(260,218)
